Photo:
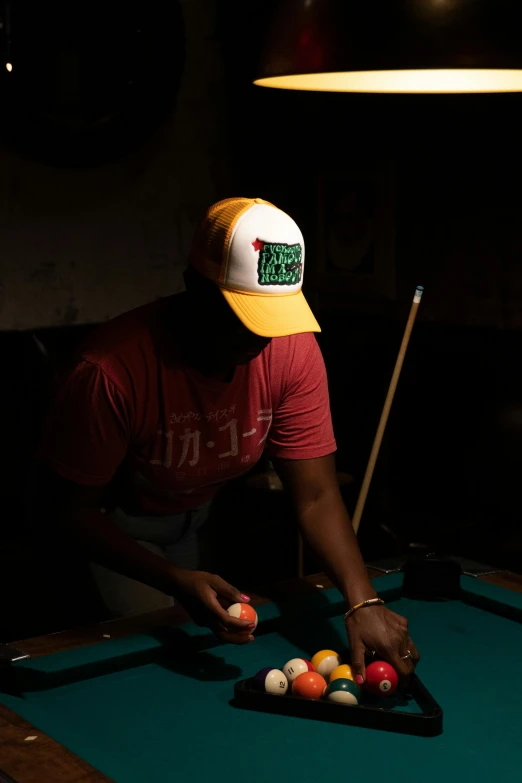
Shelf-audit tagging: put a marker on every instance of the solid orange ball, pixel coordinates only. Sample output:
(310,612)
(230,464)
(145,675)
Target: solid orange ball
(309,685)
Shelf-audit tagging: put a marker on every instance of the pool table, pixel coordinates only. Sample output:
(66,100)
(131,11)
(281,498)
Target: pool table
(148,699)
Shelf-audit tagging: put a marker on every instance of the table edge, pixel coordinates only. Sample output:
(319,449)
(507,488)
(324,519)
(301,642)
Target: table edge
(14,729)
(62,641)
(42,758)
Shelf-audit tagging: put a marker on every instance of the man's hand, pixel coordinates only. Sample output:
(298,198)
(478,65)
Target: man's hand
(205,597)
(377,629)
(326,525)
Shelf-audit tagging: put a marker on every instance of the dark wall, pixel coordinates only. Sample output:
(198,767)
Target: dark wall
(82,243)
(448,468)
(457,162)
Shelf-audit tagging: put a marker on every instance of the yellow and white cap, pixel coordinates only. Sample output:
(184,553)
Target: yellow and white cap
(254,252)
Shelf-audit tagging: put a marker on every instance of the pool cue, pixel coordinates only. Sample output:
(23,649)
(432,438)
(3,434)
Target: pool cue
(361,500)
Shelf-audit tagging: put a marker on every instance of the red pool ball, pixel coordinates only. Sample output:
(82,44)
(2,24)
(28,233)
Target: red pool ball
(381,679)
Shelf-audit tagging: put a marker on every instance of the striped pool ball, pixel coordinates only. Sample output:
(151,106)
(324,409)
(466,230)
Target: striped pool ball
(325,661)
(244,612)
(271,681)
(343,691)
(344,671)
(309,685)
(295,667)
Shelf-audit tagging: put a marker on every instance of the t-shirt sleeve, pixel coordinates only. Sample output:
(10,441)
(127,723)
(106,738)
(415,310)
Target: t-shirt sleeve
(87,432)
(302,423)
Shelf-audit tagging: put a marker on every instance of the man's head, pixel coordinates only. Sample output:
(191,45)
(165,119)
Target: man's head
(222,337)
(245,276)
(254,253)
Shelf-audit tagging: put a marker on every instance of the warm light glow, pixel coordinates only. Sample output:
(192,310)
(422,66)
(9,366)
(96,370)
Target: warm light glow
(9,67)
(427,81)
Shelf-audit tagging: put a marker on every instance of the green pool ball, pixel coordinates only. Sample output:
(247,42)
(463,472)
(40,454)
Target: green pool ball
(343,691)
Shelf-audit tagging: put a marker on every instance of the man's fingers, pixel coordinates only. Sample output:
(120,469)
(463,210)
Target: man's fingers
(225,590)
(230,623)
(404,666)
(358,665)
(230,637)
(408,653)
(414,652)
(406,660)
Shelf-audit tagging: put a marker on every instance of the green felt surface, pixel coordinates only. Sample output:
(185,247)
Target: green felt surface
(142,711)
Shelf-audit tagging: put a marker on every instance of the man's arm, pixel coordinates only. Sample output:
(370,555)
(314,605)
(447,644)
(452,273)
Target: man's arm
(325,523)
(73,511)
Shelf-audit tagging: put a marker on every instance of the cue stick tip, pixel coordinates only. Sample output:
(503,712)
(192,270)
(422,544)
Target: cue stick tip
(418,294)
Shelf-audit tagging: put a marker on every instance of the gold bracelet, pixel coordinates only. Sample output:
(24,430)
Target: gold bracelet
(370,602)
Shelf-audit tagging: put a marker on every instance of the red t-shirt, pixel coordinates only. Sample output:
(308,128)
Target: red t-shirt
(131,400)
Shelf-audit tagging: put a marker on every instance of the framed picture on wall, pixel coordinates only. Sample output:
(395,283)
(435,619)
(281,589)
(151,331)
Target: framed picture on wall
(356,236)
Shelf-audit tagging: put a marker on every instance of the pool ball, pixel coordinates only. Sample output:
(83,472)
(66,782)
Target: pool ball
(309,685)
(244,612)
(325,661)
(381,679)
(343,671)
(295,667)
(271,681)
(343,691)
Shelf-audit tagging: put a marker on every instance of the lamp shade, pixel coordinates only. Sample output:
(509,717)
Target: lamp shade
(395,46)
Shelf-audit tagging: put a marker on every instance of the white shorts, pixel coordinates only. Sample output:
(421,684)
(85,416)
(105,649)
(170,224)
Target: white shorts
(176,538)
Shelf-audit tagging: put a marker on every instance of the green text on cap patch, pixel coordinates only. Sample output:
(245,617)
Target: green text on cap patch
(279,264)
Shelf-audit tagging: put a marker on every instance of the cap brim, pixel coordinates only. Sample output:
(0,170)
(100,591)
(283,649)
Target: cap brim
(272,316)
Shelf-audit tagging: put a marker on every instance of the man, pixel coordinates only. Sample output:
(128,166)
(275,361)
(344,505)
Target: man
(169,401)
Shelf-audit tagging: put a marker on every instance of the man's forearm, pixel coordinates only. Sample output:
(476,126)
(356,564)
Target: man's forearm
(94,533)
(326,526)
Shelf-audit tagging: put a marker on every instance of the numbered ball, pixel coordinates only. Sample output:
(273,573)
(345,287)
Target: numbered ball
(325,661)
(309,685)
(271,681)
(244,612)
(343,691)
(381,679)
(295,667)
(344,672)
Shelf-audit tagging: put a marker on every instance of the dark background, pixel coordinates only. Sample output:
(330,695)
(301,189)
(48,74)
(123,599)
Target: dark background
(450,465)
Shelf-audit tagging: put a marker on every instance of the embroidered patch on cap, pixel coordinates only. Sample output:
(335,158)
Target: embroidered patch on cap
(279,264)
